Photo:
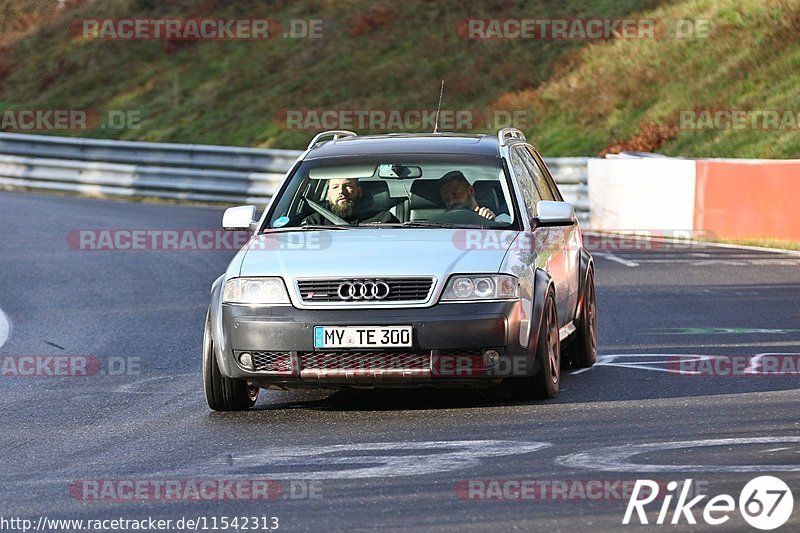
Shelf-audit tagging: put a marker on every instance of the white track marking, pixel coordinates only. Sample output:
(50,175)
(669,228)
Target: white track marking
(131,387)
(704,345)
(708,262)
(618,458)
(660,362)
(5,328)
(646,361)
(722,331)
(359,460)
(612,257)
(755,362)
(611,360)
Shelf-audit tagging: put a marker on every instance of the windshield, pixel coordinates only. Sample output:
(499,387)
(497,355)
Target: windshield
(396,191)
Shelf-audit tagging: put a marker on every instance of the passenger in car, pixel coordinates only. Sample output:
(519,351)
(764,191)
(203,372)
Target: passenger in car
(457,193)
(345,198)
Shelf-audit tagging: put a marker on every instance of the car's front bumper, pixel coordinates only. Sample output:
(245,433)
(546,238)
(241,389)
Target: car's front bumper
(450,343)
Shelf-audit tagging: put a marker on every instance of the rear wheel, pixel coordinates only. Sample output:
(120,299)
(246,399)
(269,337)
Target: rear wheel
(223,393)
(545,383)
(583,351)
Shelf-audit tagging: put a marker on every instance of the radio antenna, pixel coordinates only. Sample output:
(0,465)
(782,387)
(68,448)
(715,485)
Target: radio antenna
(438,108)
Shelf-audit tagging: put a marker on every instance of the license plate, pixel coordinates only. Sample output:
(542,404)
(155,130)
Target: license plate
(362,336)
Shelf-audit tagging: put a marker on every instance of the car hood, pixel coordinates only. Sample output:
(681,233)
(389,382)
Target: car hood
(376,252)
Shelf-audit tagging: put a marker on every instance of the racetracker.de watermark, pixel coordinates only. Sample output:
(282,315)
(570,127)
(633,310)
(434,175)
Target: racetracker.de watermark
(645,239)
(69,119)
(732,366)
(588,29)
(196,29)
(400,119)
(739,119)
(655,240)
(200,489)
(73,366)
(192,240)
(555,489)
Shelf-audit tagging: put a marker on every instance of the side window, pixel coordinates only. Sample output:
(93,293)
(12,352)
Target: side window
(530,194)
(546,178)
(537,175)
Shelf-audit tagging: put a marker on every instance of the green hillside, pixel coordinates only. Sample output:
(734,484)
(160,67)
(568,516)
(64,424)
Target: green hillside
(576,97)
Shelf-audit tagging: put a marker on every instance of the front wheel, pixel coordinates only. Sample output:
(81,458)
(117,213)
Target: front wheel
(545,382)
(223,393)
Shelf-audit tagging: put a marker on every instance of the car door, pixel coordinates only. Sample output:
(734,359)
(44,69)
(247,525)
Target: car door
(573,238)
(554,241)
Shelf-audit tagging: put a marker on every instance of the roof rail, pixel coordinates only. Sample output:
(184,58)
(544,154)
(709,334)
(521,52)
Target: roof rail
(337,134)
(512,133)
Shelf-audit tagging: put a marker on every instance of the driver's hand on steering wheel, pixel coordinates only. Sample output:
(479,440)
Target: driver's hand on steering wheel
(485,212)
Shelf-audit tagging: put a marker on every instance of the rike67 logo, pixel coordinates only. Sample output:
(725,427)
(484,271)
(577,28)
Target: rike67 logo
(765,503)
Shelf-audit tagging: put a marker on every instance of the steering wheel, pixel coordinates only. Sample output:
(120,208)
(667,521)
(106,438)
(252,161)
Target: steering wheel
(327,213)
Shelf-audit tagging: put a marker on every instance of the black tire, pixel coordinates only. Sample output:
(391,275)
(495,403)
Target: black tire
(583,351)
(223,393)
(545,382)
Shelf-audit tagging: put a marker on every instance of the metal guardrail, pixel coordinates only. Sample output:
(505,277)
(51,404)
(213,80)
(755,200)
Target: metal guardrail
(185,172)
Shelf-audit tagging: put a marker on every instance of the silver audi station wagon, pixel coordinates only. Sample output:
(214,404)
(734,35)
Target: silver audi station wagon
(404,260)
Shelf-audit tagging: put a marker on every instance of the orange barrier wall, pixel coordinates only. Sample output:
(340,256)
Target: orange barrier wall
(739,200)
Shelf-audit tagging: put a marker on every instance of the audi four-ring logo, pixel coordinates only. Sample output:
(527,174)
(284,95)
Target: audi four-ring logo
(363,290)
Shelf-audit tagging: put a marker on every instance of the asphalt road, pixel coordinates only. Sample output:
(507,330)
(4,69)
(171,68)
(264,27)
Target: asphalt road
(388,459)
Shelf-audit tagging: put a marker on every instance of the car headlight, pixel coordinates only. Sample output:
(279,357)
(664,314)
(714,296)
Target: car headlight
(255,291)
(483,287)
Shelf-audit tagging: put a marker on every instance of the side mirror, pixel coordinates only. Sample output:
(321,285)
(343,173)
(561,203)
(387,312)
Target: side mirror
(242,218)
(553,214)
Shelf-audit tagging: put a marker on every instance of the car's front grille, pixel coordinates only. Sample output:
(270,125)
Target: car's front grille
(442,362)
(399,290)
(365,360)
(272,361)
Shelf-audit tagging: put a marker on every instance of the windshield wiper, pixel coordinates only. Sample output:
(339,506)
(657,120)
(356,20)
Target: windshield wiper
(449,225)
(381,224)
(304,227)
(428,224)
(323,226)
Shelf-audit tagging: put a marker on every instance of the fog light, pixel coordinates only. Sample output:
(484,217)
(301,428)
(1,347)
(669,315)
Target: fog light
(246,360)
(491,358)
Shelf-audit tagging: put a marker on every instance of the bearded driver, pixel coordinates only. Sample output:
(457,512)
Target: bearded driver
(344,199)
